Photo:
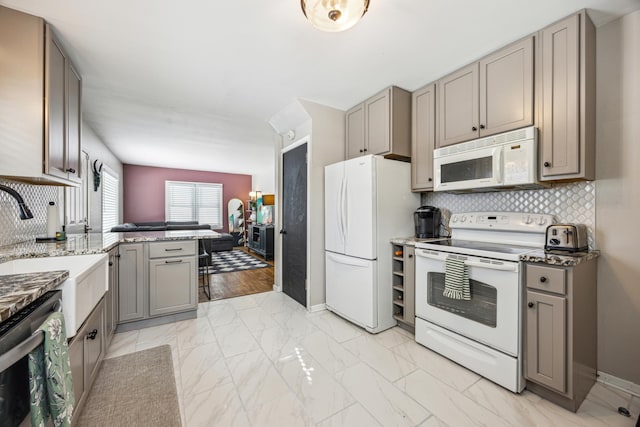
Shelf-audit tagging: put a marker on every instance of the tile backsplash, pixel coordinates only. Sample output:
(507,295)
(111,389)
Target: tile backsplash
(573,202)
(36,197)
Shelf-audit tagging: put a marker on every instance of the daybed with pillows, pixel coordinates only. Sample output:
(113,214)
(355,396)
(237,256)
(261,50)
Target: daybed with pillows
(222,242)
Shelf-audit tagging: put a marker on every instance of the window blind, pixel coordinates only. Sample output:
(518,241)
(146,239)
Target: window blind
(193,201)
(110,200)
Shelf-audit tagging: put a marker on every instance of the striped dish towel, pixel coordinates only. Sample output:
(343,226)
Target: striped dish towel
(456,280)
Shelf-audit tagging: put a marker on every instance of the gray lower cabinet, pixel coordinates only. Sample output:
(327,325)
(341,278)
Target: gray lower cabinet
(566,99)
(561,331)
(111,297)
(86,352)
(172,285)
(131,282)
(156,279)
(423,137)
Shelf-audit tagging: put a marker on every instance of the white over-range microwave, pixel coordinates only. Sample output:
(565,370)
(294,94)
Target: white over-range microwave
(505,161)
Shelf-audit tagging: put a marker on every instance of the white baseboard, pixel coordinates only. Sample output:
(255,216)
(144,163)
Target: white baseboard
(277,288)
(619,383)
(317,307)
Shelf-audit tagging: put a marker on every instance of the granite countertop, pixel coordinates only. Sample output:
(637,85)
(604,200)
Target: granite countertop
(411,241)
(96,243)
(551,258)
(20,290)
(561,259)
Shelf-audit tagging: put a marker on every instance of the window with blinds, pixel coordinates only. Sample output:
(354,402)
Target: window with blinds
(194,201)
(110,199)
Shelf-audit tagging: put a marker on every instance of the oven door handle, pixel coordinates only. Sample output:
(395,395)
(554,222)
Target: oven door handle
(427,254)
(501,267)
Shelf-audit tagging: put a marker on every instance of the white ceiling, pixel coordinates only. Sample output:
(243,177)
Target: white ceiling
(192,83)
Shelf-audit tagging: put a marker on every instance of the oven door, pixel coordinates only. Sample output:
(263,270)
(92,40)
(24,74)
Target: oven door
(491,317)
(470,169)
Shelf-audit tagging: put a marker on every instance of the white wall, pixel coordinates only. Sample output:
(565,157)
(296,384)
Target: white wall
(618,197)
(93,145)
(324,128)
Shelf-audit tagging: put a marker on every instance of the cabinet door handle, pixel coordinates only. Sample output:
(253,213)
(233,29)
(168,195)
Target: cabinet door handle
(365,150)
(110,263)
(71,170)
(283,231)
(481,126)
(543,279)
(361,150)
(92,335)
(547,164)
(473,128)
(410,255)
(173,262)
(172,249)
(430,179)
(530,304)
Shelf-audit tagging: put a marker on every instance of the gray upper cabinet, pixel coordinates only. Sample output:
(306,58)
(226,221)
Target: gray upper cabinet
(73,154)
(42,145)
(423,137)
(566,116)
(355,131)
(506,89)
(458,106)
(487,97)
(380,125)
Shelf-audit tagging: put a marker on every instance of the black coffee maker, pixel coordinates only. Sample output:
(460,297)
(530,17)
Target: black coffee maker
(427,221)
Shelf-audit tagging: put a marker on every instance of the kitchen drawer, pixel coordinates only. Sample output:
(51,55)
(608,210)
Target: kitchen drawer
(550,279)
(172,248)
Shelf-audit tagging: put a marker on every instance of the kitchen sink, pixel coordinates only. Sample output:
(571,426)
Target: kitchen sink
(87,282)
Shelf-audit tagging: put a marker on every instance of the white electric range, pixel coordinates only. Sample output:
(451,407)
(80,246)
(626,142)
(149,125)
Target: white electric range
(483,333)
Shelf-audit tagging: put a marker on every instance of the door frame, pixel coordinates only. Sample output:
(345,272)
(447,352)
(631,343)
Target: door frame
(278,286)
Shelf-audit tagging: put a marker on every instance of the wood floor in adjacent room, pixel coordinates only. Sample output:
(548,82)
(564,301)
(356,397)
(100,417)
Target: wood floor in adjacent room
(238,283)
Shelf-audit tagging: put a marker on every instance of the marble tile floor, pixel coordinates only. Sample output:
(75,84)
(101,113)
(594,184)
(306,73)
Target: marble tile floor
(262,360)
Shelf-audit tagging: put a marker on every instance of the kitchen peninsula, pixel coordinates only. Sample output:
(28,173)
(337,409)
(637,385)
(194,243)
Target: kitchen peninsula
(152,275)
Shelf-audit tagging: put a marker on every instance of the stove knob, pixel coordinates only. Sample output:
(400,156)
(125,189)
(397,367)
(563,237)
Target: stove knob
(454,218)
(528,219)
(542,221)
(463,219)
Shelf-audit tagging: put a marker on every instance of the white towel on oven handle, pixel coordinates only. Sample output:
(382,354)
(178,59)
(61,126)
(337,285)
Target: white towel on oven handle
(456,280)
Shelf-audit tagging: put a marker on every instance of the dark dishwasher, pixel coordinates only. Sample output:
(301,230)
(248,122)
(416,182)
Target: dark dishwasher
(16,341)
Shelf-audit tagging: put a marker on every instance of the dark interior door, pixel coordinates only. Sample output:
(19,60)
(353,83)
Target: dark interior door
(294,223)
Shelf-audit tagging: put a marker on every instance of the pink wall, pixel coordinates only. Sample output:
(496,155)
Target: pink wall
(144,186)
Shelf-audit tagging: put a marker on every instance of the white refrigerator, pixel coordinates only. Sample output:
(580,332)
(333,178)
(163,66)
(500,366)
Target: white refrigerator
(368,201)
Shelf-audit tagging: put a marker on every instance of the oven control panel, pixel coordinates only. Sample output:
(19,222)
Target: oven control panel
(511,221)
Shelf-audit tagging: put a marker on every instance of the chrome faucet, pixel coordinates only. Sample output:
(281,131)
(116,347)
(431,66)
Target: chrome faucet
(25,213)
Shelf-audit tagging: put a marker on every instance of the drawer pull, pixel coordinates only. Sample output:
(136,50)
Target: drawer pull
(530,304)
(92,335)
(172,249)
(543,279)
(173,262)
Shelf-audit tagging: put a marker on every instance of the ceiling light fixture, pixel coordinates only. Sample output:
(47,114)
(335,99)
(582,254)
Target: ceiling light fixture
(334,15)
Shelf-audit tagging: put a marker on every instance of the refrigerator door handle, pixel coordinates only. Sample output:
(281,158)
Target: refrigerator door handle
(341,214)
(356,262)
(344,210)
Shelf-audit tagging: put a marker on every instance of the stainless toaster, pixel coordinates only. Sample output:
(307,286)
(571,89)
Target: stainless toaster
(566,238)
